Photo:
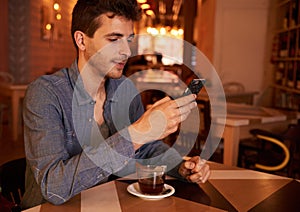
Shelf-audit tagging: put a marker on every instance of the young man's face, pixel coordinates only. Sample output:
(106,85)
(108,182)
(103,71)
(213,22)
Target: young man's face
(109,49)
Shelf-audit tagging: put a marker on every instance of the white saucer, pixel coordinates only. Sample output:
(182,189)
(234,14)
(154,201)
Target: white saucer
(135,190)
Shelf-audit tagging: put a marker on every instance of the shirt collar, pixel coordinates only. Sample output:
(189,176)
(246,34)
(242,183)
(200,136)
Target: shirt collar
(80,93)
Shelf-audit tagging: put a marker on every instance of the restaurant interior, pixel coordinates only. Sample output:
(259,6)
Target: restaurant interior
(251,46)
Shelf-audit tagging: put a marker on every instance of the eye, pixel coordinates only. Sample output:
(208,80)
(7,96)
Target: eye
(130,39)
(113,39)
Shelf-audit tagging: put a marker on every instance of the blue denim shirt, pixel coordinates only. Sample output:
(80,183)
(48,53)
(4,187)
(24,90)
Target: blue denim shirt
(64,156)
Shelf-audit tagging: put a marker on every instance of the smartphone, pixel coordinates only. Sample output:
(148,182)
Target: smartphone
(194,87)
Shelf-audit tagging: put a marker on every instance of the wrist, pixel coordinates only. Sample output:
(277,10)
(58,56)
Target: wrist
(137,138)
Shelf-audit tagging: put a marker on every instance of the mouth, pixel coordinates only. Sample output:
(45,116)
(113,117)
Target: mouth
(120,65)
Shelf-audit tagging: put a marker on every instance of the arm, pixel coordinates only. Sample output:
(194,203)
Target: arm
(149,127)
(162,119)
(60,168)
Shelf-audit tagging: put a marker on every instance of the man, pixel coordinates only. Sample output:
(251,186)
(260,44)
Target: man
(86,123)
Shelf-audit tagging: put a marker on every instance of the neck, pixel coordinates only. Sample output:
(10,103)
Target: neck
(94,82)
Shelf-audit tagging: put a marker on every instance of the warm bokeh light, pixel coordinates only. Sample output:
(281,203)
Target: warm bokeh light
(56,6)
(48,27)
(145,6)
(174,32)
(58,16)
(162,31)
(149,12)
(180,31)
(152,31)
(141,1)
(168,31)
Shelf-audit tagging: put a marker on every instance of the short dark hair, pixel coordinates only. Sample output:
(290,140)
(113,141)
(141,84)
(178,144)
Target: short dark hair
(86,13)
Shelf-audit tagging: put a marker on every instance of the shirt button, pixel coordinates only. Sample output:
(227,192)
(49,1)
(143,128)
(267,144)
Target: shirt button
(92,102)
(90,120)
(99,176)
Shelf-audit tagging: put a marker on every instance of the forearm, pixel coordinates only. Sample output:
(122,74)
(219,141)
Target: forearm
(62,180)
(61,176)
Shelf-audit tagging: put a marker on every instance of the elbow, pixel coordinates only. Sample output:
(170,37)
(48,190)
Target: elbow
(55,199)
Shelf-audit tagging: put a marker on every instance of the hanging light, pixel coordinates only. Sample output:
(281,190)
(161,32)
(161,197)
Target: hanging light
(56,6)
(150,12)
(58,16)
(145,6)
(180,31)
(48,27)
(163,31)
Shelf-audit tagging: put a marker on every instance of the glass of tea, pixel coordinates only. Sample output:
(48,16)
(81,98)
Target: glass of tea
(151,178)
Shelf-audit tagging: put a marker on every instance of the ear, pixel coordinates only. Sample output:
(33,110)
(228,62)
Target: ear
(79,39)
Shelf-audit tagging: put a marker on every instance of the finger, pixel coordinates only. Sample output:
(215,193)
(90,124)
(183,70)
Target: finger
(200,171)
(194,160)
(184,116)
(187,108)
(206,176)
(189,165)
(184,172)
(185,111)
(199,177)
(195,178)
(200,164)
(161,101)
(185,100)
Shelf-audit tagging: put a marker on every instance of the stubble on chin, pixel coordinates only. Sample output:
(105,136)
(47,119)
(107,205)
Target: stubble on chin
(115,73)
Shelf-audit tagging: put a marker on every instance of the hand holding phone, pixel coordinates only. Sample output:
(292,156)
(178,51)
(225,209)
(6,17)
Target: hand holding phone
(194,87)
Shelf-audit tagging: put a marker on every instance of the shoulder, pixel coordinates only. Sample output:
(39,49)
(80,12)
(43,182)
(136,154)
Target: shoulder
(49,84)
(54,79)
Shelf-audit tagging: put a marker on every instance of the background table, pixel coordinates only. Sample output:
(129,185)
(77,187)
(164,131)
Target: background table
(241,118)
(228,189)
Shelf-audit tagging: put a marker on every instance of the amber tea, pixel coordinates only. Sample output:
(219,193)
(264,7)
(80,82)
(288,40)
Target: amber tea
(151,179)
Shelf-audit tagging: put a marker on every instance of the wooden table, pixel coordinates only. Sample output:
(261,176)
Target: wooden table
(246,97)
(15,93)
(228,189)
(241,118)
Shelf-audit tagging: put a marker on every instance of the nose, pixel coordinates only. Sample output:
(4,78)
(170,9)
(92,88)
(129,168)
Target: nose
(125,48)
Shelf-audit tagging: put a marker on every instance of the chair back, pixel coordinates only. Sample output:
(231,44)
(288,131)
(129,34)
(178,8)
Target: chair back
(2,107)
(292,140)
(272,152)
(205,116)
(6,77)
(12,180)
(233,87)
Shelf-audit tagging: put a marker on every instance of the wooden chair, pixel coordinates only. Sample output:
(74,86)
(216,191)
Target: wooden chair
(2,108)
(233,87)
(5,77)
(271,152)
(12,180)
(292,138)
